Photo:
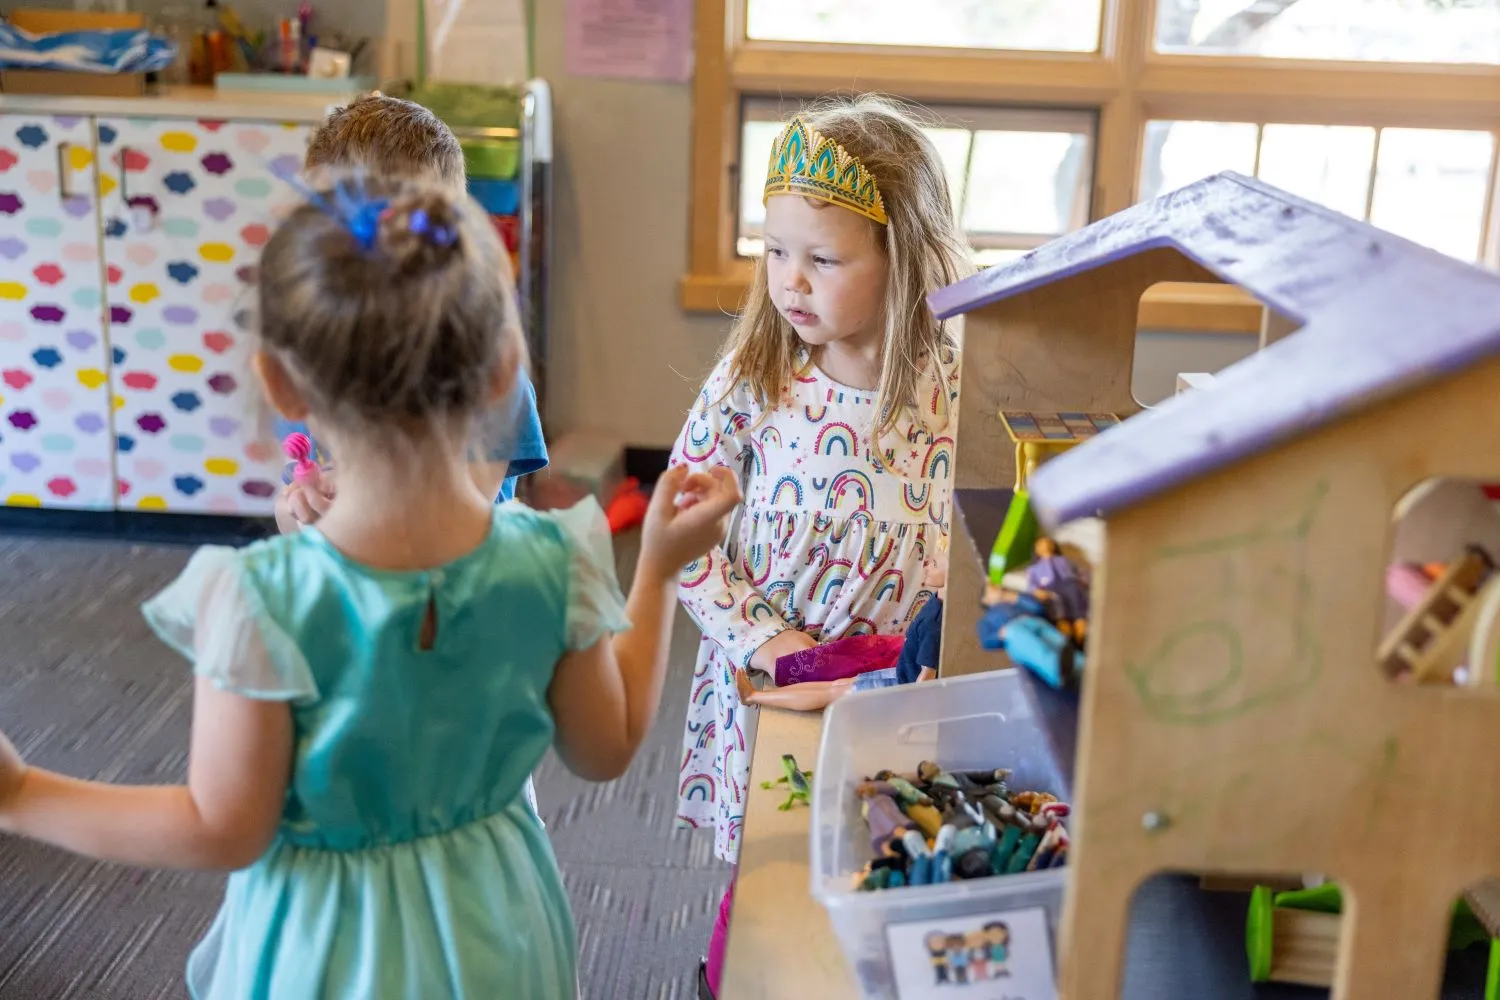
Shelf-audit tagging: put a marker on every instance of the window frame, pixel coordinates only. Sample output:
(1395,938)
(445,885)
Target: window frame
(1126,81)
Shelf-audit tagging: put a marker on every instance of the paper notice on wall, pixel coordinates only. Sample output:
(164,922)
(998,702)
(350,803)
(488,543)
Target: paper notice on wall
(636,39)
(476,41)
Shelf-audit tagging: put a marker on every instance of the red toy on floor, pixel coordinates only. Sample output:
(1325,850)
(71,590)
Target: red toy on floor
(627,508)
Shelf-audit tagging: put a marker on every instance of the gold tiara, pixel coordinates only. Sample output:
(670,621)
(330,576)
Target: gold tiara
(805,162)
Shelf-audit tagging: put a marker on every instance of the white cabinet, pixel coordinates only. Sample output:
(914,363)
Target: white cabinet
(189,206)
(55,402)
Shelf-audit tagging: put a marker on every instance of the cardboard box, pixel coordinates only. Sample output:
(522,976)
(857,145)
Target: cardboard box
(40,81)
(580,464)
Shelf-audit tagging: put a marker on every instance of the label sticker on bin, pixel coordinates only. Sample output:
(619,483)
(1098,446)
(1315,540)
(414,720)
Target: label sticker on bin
(1004,955)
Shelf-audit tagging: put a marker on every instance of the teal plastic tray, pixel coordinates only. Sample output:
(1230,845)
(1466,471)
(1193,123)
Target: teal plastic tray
(284,83)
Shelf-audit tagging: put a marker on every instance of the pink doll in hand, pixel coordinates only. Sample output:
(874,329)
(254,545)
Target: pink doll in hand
(918,659)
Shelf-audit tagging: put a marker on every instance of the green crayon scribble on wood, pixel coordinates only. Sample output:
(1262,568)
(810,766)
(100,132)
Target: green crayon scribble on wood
(1196,675)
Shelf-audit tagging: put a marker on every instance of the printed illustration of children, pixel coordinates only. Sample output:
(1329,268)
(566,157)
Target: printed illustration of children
(937,949)
(958,959)
(978,943)
(998,936)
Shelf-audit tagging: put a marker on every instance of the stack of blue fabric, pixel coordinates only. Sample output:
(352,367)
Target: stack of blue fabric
(118,51)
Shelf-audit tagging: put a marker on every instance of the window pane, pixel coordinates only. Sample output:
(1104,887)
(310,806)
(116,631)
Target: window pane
(1430,187)
(1439,31)
(952,145)
(1055,25)
(1179,153)
(756,141)
(1027,182)
(989,258)
(1326,164)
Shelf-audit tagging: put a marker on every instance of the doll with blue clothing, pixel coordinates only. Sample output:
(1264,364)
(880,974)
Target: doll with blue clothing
(1019,624)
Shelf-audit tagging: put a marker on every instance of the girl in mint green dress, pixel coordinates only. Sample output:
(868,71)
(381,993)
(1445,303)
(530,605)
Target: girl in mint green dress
(372,693)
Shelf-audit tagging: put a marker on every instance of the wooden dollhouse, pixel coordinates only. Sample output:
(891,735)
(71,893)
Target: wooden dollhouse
(1234,716)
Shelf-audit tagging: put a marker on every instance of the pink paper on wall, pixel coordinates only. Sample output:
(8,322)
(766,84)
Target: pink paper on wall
(636,39)
(832,661)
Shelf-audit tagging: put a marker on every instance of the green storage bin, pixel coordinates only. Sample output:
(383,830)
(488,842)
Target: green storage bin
(491,159)
(464,105)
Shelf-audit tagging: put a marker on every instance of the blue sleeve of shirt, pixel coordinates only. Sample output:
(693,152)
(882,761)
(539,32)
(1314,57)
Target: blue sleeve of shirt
(530,451)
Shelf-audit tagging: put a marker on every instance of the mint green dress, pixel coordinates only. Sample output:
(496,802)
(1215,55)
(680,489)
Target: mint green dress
(408,863)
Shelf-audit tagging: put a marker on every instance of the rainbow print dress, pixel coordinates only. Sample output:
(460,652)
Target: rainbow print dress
(831,541)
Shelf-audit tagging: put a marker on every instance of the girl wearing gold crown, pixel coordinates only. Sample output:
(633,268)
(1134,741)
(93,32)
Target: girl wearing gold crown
(834,401)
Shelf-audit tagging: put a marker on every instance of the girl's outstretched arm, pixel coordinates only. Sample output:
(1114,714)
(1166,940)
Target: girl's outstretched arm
(713,590)
(222,819)
(604,698)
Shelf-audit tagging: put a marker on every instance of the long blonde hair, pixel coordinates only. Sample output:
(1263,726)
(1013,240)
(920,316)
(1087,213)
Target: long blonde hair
(924,250)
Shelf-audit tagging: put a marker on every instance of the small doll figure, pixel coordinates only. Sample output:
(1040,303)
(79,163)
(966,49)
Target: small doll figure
(998,935)
(1017,623)
(1053,578)
(937,950)
(919,656)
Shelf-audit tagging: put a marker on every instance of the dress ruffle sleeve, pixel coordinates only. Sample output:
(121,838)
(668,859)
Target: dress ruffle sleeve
(211,615)
(596,607)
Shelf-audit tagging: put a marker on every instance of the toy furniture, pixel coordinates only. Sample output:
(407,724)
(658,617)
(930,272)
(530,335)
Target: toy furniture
(1293,936)
(1432,640)
(1077,353)
(1234,718)
(1040,436)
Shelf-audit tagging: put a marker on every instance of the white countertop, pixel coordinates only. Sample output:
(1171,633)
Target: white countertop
(186,102)
(781,943)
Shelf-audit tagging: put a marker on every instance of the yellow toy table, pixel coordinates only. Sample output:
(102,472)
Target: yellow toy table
(1040,436)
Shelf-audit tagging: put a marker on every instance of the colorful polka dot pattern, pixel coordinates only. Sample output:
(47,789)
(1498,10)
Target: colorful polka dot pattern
(55,447)
(192,433)
(137,395)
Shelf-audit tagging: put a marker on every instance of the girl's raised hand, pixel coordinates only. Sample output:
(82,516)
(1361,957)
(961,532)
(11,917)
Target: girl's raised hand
(688,516)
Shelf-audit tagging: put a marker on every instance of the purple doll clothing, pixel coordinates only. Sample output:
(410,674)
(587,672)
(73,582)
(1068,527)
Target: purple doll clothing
(1056,574)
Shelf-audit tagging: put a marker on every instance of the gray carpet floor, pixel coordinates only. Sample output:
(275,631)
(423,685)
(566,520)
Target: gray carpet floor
(85,688)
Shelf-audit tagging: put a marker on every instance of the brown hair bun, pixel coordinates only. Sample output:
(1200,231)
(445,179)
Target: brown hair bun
(420,232)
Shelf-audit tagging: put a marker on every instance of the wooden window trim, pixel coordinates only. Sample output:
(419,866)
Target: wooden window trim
(1171,306)
(1127,81)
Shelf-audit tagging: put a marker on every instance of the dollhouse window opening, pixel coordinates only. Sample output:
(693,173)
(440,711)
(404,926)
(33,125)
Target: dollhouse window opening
(1441,626)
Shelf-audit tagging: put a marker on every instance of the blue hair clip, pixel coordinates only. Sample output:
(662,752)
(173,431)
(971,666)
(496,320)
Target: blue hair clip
(421,224)
(359,213)
(352,206)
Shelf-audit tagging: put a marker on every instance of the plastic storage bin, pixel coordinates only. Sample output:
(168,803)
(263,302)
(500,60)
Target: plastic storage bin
(491,159)
(496,197)
(973,722)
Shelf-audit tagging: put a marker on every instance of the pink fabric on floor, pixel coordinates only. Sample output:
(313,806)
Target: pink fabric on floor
(717,940)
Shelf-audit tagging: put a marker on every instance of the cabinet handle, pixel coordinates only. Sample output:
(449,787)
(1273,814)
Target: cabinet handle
(124,171)
(62,171)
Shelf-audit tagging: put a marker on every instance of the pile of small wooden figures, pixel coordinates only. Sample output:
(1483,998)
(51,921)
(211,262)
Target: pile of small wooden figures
(935,826)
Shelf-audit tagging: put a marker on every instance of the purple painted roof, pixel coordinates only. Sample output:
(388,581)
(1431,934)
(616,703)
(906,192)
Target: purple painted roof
(1381,316)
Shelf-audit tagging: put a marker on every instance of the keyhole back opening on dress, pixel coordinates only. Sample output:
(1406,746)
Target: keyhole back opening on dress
(428,636)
